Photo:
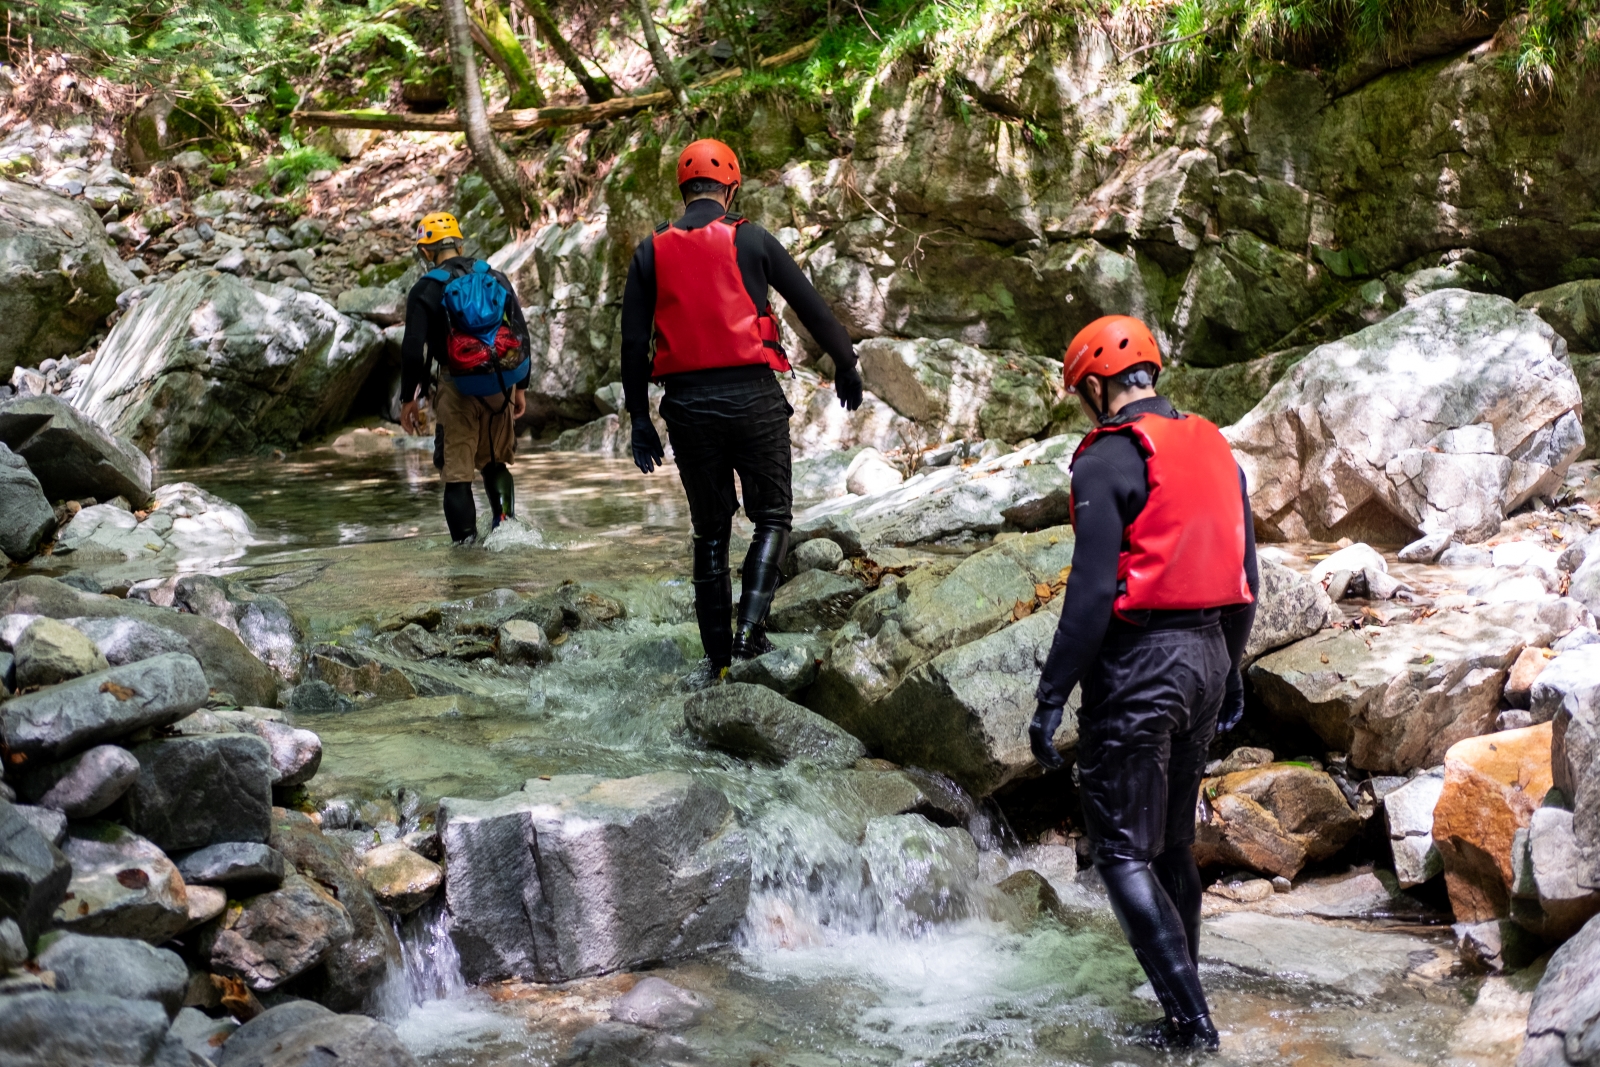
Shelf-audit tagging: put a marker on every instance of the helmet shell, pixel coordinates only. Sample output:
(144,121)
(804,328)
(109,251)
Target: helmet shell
(1108,346)
(707,158)
(438,227)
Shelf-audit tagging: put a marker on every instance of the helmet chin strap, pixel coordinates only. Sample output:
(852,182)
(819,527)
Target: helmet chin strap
(1100,414)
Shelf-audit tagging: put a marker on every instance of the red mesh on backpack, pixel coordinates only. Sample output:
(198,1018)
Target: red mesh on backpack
(465,354)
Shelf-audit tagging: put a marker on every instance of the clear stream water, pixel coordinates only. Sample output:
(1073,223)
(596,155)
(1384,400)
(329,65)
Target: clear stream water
(829,967)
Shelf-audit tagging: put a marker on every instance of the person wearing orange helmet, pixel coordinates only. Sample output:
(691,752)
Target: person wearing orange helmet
(696,317)
(1157,610)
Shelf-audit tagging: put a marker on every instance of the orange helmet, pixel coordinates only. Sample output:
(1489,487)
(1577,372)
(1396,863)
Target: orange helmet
(1108,346)
(709,159)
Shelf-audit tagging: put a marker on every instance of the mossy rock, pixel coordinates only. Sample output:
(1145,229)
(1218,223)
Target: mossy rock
(1226,394)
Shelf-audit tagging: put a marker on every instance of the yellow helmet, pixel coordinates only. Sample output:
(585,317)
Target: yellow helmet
(437,227)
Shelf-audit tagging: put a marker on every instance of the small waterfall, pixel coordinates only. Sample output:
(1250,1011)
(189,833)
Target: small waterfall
(431,966)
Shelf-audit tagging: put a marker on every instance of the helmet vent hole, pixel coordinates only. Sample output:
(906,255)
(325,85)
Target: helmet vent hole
(1124,343)
(715,163)
(1098,351)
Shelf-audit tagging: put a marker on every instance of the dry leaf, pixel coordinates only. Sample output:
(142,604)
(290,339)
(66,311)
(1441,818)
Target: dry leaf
(1042,591)
(121,692)
(1324,657)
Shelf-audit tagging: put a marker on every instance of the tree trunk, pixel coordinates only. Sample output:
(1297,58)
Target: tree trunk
(494,35)
(495,166)
(598,90)
(664,67)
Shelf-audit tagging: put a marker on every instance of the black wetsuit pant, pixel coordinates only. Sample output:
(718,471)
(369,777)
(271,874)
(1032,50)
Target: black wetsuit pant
(1149,711)
(717,431)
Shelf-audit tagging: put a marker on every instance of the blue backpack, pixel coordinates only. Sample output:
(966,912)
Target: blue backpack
(475,301)
(478,344)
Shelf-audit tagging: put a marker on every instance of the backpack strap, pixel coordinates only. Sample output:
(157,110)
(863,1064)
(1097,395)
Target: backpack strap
(664,227)
(438,274)
(480,266)
(733,218)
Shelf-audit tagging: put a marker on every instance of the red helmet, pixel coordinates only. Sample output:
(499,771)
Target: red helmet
(709,159)
(1108,346)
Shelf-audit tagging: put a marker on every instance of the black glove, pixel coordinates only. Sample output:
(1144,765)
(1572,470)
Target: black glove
(1041,736)
(647,450)
(1232,702)
(847,384)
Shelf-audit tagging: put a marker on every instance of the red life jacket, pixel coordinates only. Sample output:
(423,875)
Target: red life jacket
(1185,550)
(704,315)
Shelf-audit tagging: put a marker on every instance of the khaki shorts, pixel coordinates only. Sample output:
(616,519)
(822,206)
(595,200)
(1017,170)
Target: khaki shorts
(478,430)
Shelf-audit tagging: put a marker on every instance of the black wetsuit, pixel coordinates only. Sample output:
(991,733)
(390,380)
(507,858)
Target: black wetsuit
(1151,690)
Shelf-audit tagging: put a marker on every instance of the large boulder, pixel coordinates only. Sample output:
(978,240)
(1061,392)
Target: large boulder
(1572,309)
(1272,819)
(399,878)
(1568,695)
(814,600)
(299,1033)
(754,722)
(48,1029)
(122,886)
(62,275)
(65,718)
(33,873)
(957,392)
(276,936)
(26,517)
(1408,812)
(1444,417)
(48,652)
(919,873)
(72,455)
(1566,1005)
(84,785)
(1548,897)
(582,875)
(1290,606)
(207,365)
(117,966)
(198,791)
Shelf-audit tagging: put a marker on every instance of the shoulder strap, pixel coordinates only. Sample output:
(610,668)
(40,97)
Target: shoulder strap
(480,266)
(439,274)
(733,218)
(664,227)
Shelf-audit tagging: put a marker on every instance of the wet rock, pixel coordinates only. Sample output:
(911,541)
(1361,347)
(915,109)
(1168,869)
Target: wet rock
(920,873)
(65,276)
(1426,549)
(1569,692)
(784,670)
(401,879)
(1394,697)
(1445,416)
(314,698)
(815,600)
(295,754)
(355,969)
(522,642)
(385,307)
(202,1035)
(122,886)
(1566,1005)
(1491,787)
(301,1033)
(657,1004)
(70,454)
(107,704)
(277,935)
(198,791)
(625,870)
(84,785)
(1343,959)
(1409,810)
(279,365)
(1273,819)
(1030,895)
(818,554)
(116,966)
(1524,674)
(616,1044)
(33,874)
(1290,607)
(205,903)
(1359,571)
(1495,945)
(232,863)
(753,722)
(26,518)
(126,640)
(88,1028)
(870,473)
(49,652)
(1545,863)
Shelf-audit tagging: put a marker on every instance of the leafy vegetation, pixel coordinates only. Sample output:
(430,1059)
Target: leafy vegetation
(289,169)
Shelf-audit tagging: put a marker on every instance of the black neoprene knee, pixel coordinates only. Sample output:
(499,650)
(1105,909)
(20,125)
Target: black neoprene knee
(1155,930)
(460,511)
(1179,875)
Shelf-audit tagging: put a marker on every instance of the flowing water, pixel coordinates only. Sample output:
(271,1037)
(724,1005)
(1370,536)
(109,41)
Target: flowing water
(851,952)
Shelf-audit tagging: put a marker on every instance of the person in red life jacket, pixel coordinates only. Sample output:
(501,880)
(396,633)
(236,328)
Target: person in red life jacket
(463,318)
(1157,609)
(697,295)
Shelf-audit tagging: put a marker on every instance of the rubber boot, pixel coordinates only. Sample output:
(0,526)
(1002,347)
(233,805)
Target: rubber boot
(501,490)
(438,446)
(760,581)
(1178,874)
(461,512)
(1155,930)
(713,599)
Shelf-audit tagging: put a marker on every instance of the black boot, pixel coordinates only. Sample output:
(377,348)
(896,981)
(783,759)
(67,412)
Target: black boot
(1155,930)
(760,581)
(713,599)
(1183,1035)
(438,446)
(461,512)
(501,491)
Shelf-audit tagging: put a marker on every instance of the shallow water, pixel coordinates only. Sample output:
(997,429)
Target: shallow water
(830,967)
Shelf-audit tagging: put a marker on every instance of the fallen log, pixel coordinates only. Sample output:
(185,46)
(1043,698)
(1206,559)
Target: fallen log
(533,118)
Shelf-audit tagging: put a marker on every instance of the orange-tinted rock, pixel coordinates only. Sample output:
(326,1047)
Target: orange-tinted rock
(1272,819)
(1524,672)
(1492,785)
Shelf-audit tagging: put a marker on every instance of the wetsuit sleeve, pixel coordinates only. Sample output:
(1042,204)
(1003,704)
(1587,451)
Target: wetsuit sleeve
(1105,500)
(1237,621)
(414,345)
(785,275)
(638,324)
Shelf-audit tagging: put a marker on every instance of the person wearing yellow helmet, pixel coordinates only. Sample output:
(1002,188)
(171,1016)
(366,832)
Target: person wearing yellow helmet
(463,319)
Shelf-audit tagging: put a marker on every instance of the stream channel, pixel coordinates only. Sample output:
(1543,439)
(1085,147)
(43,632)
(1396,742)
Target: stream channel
(825,969)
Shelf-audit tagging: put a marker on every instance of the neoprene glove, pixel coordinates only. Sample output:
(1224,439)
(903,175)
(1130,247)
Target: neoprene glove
(847,384)
(1041,736)
(647,450)
(1232,702)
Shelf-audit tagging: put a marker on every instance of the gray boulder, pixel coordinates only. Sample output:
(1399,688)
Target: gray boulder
(71,454)
(753,722)
(63,275)
(202,1035)
(582,875)
(1409,813)
(1290,607)
(108,704)
(815,600)
(783,670)
(48,652)
(657,1004)
(1445,416)
(26,517)
(295,754)
(276,936)
(1548,899)
(207,364)
(956,391)
(84,785)
(1572,309)
(818,554)
(232,863)
(72,1029)
(117,966)
(198,791)
(300,1034)
(1569,690)
(122,886)
(51,824)
(33,874)
(127,640)
(385,307)
(1564,1019)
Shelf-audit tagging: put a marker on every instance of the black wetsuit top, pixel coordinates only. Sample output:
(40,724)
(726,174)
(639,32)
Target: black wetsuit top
(763,262)
(427,327)
(1110,486)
